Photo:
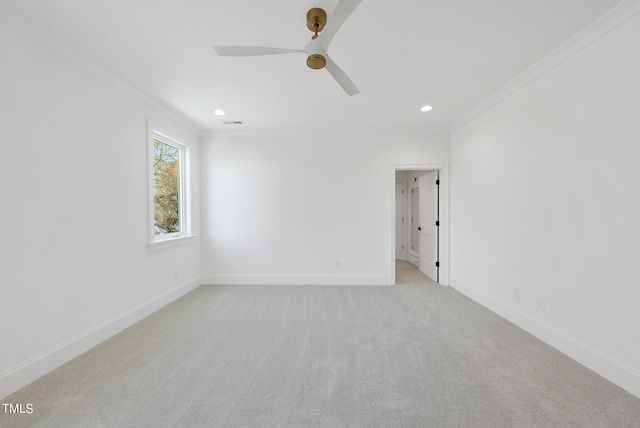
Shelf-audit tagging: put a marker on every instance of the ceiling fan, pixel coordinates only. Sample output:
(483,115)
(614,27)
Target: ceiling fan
(317,46)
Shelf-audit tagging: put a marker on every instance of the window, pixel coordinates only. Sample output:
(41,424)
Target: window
(168,188)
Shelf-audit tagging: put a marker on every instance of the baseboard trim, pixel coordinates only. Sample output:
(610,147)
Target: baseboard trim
(615,371)
(20,376)
(295,280)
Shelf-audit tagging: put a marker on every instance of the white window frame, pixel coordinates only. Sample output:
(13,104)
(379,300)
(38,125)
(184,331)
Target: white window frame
(185,235)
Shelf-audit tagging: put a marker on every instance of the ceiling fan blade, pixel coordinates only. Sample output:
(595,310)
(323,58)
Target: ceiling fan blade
(251,50)
(342,78)
(343,10)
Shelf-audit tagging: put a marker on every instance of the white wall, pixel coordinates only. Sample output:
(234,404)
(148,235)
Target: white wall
(74,263)
(285,208)
(545,198)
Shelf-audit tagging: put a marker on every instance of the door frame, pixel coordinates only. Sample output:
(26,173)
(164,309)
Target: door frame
(443,238)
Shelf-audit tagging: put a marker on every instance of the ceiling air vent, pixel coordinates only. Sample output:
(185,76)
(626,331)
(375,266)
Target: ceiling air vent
(235,122)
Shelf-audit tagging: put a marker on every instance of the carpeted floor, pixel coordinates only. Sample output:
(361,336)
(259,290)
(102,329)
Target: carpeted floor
(414,355)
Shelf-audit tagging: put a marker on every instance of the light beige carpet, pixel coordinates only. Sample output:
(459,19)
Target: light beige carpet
(323,356)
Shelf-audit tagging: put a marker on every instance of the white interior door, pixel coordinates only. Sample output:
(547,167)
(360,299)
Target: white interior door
(400,199)
(414,236)
(428,229)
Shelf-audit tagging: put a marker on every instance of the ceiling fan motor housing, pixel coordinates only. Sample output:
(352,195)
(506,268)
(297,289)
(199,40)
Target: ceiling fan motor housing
(317,59)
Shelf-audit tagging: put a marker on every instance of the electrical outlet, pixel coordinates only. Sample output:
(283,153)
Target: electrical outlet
(516,293)
(176,275)
(540,304)
(338,265)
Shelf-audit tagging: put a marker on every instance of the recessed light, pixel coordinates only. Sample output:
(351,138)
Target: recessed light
(426,108)
(220,112)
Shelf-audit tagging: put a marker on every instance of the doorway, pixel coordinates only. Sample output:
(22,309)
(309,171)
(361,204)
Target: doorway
(422,225)
(425,227)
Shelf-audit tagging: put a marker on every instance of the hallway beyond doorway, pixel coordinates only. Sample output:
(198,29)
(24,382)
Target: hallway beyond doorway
(408,273)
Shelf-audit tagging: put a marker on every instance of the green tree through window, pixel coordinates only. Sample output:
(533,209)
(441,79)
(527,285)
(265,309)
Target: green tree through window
(166,187)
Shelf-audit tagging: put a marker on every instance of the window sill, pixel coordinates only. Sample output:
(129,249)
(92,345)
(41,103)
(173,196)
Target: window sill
(171,242)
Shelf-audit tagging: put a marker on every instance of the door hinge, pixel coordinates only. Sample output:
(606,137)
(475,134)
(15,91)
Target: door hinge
(437,264)
(403,247)
(403,219)
(437,182)
(437,223)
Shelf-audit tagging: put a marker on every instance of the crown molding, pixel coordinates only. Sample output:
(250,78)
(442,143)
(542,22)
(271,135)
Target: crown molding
(248,133)
(614,18)
(28,27)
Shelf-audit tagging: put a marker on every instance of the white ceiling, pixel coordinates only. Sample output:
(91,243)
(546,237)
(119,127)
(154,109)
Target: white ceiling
(402,55)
